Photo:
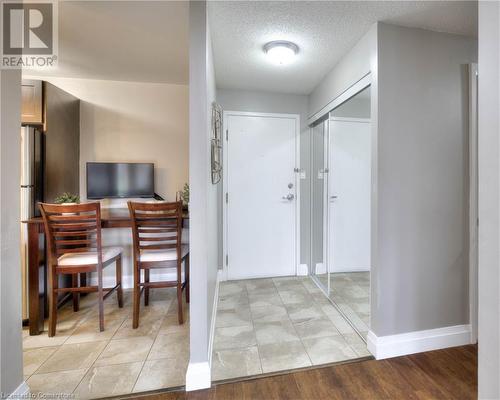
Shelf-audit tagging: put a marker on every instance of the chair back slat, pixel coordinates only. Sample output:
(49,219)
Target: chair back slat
(156,226)
(72,229)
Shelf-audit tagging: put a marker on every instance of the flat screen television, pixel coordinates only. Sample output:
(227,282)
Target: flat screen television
(118,180)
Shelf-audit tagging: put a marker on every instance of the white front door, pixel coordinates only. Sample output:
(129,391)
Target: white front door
(349,195)
(261,188)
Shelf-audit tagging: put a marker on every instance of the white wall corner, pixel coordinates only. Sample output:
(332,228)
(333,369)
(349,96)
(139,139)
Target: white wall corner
(419,341)
(302,270)
(21,392)
(198,376)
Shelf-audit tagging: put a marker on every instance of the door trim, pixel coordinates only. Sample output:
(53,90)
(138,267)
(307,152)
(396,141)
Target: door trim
(352,90)
(225,205)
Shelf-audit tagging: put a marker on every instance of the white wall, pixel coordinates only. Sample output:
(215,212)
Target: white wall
(267,102)
(11,367)
(420,260)
(204,205)
(489,200)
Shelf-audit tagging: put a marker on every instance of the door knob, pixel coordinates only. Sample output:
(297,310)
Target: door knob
(288,197)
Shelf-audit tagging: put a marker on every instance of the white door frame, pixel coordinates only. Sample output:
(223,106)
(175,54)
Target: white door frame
(473,202)
(225,205)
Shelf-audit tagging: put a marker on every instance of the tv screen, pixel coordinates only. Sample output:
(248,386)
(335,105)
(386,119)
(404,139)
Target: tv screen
(119,180)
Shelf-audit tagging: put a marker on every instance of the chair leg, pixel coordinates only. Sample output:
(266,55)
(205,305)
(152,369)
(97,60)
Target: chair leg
(179,292)
(137,296)
(146,290)
(53,285)
(76,295)
(186,266)
(100,293)
(179,302)
(119,292)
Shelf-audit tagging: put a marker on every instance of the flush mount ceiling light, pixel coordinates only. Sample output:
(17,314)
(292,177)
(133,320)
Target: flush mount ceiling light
(281,52)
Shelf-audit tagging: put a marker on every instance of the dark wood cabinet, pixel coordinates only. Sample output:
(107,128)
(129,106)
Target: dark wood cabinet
(62,142)
(32,102)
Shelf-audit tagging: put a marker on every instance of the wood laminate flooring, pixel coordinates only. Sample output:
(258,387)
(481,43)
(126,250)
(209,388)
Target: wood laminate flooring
(442,374)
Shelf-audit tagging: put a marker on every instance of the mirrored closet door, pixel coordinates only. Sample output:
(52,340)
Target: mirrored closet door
(349,209)
(341,208)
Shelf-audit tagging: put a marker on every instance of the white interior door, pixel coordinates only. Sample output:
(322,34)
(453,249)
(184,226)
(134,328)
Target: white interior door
(349,195)
(261,188)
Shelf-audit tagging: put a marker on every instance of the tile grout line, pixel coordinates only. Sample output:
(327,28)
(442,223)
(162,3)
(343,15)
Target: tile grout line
(58,348)
(254,331)
(91,366)
(344,315)
(293,325)
(104,348)
(149,352)
(303,345)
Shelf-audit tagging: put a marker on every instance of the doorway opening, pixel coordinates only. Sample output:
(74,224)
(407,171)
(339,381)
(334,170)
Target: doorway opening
(270,313)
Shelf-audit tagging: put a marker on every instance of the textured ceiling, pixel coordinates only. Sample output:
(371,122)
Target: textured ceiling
(142,41)
(324,31)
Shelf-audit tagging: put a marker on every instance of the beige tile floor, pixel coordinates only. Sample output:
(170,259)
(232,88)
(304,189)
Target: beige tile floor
(351,293)
(275,324)
(87,363)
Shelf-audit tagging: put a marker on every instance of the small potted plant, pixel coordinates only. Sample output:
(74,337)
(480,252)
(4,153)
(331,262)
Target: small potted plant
(67,199)
(184,195)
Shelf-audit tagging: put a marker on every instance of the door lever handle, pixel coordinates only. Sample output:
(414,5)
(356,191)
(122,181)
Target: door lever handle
(288,197)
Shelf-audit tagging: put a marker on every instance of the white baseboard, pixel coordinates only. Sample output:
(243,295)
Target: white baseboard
(418,341)
(198,376)
(320,268)
(128,280)
(351,269)
(302,270)
(21,392)
(222,274)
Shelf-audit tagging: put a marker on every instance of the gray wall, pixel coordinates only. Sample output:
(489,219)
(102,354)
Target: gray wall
(420,274)
(203,195)
(11,371)
(489,200)
(266,102)
(353,108)
(419,144)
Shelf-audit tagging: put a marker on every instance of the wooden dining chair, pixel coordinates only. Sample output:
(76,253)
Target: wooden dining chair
(74,247)
(157,232)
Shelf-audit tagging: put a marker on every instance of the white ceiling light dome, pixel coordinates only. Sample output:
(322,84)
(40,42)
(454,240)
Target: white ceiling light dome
(281,52)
